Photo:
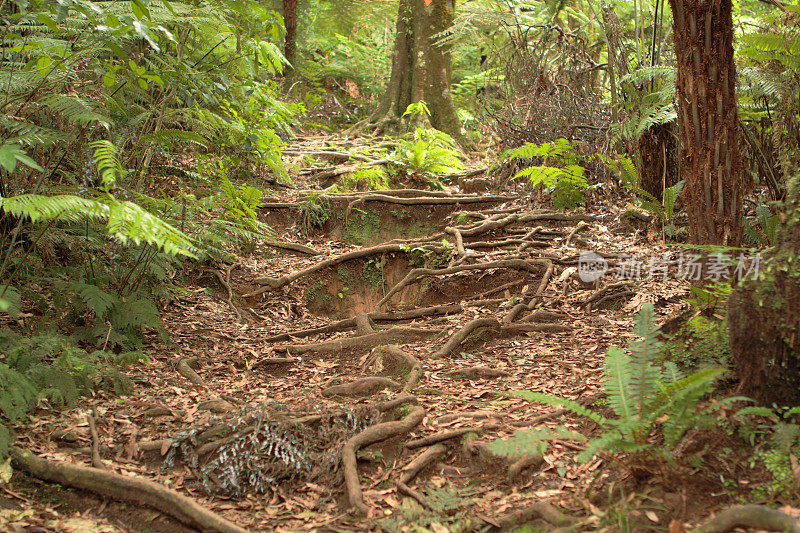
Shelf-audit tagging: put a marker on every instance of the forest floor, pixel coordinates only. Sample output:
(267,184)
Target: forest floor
(502,308)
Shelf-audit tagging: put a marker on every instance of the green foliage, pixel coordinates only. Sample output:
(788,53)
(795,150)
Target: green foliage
(663,210)
(126,221)
(447,509)
(647,400)
(764,230)
(565,182)
(430,153)
(366,179)
(314,212)
(50,368)
(652,101)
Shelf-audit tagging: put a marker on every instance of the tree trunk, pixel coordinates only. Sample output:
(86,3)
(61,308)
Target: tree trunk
(290,41)
(706,84)
(421,70)
(764,318)
(657,153)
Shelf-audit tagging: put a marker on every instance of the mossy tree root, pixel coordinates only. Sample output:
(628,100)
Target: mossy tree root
(118,487)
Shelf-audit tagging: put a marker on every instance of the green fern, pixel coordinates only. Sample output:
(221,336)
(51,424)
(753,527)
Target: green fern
(647,400)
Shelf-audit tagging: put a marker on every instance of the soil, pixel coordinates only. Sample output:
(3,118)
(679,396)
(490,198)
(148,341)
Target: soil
(239,369)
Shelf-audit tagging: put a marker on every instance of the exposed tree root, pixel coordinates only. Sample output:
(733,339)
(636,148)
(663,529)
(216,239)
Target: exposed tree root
(412,364)
(402,488)
(539,510)
(446,435)
(361,387)
(426,200)
(609,290)
(534,299)
(528,327)
(418,273)
(184,369)
(363,342)
(461,335)
(477,372)
(271,284)
(350,323)
(118,487)
(420,462)
(293,246)
(97,462)
(518,466)
(750,516)
(371,435)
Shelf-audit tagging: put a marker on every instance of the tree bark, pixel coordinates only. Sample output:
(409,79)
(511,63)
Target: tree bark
(421,70)
(764,317)
(706,83)
(290,41)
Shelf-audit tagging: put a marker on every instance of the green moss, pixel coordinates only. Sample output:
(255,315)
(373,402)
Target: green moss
(317,293)
(362,228)
(372,274)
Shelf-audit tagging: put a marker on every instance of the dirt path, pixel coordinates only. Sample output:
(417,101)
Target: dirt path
(473,297)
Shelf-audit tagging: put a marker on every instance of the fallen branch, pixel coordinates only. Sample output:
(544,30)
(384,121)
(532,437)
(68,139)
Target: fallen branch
(118,487)
(750,516)
(371,435)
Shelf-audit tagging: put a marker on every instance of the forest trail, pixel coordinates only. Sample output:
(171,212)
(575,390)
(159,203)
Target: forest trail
(327,326)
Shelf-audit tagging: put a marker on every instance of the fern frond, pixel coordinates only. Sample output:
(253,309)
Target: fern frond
(617,371)
(555,401)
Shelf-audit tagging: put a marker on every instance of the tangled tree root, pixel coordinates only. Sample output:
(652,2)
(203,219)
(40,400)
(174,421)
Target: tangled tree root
(419,463)
(371,435)
(350,323)
(118,487)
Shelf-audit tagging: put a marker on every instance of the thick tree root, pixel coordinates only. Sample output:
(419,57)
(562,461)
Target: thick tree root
(184,369)
(363,342)
(541,510)
(371,435)
(118,487)
(421,461)
(350,323)
(412,364)
(446,435)
(750,516)
(361,387)
(461,335)
(418,273)
(477,372)
(271,284)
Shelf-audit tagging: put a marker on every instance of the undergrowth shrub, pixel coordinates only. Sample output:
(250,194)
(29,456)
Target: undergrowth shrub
(560,171)
(51,369)
(653,405)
